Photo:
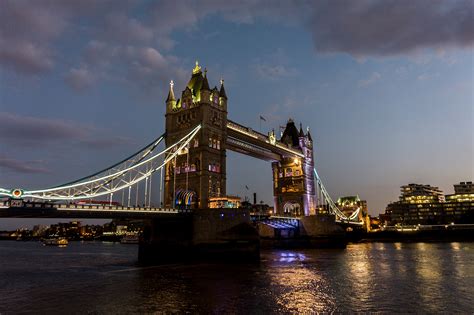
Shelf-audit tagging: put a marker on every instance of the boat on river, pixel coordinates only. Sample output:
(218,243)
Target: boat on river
(55,241)
(129,239)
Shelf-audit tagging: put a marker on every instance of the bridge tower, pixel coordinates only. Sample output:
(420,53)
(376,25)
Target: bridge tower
(293,178)
(198,172)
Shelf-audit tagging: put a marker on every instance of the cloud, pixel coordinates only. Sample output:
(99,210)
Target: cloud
(25,57)
(374,77)
(79,78)
(141,66)
(423,77)
(27,167)
(392,27)
(275,71)
(123,29)
(19,128)
(27,130)
(27,30)
(426,76)
(31,30)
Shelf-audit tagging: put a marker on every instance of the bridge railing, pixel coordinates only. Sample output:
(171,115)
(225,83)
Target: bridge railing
(91,207)
(119,208)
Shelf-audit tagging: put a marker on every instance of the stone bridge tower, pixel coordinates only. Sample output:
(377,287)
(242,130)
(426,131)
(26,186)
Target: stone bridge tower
(293,178)
(199,172)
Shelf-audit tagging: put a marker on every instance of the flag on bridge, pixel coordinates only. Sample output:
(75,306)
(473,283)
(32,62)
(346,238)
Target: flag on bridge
(246,187)
(262,118)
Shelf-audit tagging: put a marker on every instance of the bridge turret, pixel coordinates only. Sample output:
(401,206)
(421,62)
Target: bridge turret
(222,96)
(205,90)
(301,133)
(170,100)
(290,135)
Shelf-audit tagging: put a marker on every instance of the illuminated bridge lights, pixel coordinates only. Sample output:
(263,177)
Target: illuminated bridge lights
(99,185)
(140,166)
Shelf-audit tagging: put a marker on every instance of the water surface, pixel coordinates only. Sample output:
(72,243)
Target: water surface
(104,278)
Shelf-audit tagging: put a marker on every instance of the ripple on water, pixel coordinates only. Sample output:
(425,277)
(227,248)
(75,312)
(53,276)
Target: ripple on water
(104,278)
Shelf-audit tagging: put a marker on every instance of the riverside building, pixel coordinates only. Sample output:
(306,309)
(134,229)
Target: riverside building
(426,205)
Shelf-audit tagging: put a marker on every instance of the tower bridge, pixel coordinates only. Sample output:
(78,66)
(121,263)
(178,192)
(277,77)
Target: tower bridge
(192,164)
(185,168)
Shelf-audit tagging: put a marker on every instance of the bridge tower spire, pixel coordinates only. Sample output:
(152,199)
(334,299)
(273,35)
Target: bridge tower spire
(199,172)
(170,100)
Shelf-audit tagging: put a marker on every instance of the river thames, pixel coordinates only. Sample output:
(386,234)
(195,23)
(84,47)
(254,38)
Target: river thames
(101,278)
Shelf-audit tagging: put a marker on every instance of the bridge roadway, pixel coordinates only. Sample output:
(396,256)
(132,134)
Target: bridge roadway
(22,209)
(250,142)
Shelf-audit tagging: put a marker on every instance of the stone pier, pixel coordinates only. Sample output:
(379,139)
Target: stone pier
(204,235)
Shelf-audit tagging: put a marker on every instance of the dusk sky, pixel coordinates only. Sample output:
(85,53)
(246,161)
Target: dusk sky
(386,87)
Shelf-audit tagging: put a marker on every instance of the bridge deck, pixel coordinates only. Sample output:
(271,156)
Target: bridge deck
(248,141)
(49,210)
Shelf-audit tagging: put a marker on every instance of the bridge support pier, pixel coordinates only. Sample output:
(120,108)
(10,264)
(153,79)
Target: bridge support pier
(315,231)
(205,235)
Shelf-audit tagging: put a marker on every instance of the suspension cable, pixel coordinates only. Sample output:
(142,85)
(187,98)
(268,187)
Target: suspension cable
(139,177)
(188,137)
(331,205)
(149,192)
(174,183)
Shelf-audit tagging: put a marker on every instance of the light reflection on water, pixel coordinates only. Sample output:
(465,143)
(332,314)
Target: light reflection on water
(301,288)
(372,277)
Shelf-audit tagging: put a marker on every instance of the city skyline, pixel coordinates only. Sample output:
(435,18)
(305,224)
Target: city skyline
(84,91)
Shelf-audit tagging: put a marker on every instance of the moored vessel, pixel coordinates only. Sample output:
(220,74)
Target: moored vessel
(129,239)
(55,241)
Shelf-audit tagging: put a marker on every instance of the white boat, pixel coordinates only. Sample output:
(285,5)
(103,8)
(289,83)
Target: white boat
(129,239)
(55,241)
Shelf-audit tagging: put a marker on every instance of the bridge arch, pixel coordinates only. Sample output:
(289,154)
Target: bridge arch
(292,208)
(186,199)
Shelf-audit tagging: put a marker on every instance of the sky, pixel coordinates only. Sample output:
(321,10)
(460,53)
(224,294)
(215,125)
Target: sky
(386,87)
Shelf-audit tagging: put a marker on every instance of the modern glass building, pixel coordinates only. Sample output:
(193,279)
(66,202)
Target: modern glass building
(426,205)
